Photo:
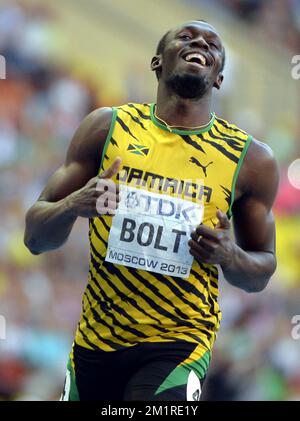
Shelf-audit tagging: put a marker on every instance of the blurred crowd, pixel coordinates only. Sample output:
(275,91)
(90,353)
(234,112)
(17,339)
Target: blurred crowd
(41,104)
(40,107)
(279,20)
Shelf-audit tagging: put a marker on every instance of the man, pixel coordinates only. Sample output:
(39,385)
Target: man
(150,312)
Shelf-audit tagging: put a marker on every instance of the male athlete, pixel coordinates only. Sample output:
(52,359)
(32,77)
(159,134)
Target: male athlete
(150,309)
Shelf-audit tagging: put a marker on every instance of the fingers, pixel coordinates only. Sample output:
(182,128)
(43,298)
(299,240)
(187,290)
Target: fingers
(223,220)
(202,249)
(104,184)
(99,196)
(197,250)
(107,196)
(107,201)
(112,170)
(101,199)
(211,245)
(205,243)
(213,234)
(204,231)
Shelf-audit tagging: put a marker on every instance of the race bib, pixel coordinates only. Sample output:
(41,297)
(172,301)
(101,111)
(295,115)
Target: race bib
(151,231)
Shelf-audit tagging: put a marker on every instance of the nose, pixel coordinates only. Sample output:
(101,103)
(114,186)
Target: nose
(200,42)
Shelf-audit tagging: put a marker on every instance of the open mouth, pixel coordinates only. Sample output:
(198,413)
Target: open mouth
(196,58)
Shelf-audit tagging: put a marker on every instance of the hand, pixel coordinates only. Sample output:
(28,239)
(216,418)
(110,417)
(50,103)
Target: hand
(213,245)
(100,195)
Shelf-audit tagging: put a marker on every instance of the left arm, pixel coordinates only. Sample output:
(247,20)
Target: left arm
(249,261)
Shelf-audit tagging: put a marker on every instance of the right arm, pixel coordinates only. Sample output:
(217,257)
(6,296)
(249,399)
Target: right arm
(72,190)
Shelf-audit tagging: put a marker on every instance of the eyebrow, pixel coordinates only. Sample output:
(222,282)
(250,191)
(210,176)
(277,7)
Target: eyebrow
(192,28)
(208,31)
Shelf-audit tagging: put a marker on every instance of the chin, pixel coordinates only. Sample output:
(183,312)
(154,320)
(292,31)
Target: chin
(189,85)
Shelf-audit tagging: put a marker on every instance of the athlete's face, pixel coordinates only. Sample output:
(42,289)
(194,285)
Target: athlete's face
(193,52)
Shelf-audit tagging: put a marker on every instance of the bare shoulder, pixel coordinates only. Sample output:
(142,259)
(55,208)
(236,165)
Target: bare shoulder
(259,153)
(259,174)
(97,121)
(90,136)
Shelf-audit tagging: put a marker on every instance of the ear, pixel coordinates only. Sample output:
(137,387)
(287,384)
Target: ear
(218,81)
(156,63)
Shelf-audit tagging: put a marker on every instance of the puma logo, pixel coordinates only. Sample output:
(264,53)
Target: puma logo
(203,167)
(193,387)
(196,395)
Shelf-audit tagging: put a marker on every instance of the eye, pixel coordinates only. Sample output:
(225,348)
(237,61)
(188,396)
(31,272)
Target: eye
(184,36)
(212,44)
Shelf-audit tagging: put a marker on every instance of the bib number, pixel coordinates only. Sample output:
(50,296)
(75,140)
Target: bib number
(151,231)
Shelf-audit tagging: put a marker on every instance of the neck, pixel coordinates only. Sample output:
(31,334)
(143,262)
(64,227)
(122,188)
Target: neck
(180,112)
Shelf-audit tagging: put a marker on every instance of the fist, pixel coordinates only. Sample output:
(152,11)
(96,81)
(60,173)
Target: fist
(100,195)
(213,246)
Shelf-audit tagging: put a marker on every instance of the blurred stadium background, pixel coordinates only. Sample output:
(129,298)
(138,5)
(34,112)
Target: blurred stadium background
(67,57)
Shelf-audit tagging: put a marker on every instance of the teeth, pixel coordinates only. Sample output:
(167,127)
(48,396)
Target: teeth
(200,57)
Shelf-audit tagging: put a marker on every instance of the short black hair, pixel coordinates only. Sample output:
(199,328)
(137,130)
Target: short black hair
(162,45)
